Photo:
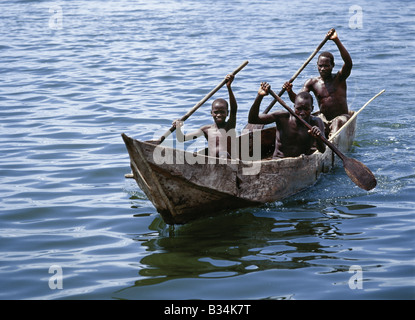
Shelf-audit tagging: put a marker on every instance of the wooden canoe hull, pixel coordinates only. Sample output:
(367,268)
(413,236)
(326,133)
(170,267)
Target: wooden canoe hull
(184,186)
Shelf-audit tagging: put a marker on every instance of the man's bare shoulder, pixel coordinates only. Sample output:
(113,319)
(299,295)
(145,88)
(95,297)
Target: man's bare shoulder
(310,83)
(339,77)
(316,120)
(280,115)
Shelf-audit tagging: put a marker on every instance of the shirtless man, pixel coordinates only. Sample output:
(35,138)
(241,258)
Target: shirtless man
(329,89)
(292,136)
(218,132)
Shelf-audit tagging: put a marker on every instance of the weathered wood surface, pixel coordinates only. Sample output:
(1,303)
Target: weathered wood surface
(182,192)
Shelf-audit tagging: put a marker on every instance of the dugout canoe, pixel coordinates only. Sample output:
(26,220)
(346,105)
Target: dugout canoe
(184,186)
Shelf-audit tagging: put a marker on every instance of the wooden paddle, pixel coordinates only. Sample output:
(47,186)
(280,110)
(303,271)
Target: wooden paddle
(201,102)
(251,126)
(357,171)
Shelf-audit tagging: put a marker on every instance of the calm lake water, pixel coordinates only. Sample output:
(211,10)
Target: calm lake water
(76,74)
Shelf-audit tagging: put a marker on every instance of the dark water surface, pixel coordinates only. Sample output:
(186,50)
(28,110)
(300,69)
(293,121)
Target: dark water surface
(70,87)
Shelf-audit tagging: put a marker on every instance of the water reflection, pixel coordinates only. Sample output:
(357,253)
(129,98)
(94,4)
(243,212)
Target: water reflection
(284,237)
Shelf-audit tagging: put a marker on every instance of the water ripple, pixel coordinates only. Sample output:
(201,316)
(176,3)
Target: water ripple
(134,67)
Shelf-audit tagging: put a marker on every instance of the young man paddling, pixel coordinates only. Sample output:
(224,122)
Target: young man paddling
(329,89)
(292,137)
(217,134)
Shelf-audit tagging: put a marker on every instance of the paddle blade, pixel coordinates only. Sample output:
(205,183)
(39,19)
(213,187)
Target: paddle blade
(359,174)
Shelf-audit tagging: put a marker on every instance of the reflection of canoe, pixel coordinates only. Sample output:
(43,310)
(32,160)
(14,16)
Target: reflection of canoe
(182,190)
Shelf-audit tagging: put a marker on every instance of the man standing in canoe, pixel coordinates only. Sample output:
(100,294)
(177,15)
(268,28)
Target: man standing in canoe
(292,137)
(218,133)
(329,89)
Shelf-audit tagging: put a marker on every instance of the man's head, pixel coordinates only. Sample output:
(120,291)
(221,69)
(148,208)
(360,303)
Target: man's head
(325,64)
(303,105)
(219,111)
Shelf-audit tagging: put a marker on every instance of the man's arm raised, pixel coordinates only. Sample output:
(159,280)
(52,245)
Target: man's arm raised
(347,59)
(254,117)
(232,102)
